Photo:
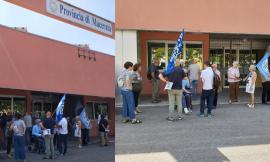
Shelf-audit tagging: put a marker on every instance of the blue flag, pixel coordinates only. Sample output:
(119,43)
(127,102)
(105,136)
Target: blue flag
(263,66)
(177,50)
(60,109)
(84,119)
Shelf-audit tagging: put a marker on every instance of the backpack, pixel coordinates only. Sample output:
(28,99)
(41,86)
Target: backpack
(149,75)
(120,81)
(217,81)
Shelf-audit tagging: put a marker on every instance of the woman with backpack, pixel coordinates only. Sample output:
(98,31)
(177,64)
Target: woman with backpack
(217,81)
(137,85)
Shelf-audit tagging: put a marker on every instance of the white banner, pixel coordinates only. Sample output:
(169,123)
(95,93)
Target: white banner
(78,16)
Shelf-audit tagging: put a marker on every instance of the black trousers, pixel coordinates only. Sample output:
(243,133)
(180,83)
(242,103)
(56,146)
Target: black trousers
(266,91)
(85,136)
(208,96)
(215,98)
(9,143)
(136,98)
(63,143)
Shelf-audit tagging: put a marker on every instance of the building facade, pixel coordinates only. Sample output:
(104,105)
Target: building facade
(37,69)
(219,31)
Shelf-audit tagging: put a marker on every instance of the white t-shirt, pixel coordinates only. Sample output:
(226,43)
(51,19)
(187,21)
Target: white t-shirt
(64,126)
(194,70)
(207,77)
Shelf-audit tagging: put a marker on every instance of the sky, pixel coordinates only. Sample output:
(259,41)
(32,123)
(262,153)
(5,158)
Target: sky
(15,16)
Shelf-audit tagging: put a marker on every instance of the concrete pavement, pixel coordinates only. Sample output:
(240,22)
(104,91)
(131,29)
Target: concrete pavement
(235,133)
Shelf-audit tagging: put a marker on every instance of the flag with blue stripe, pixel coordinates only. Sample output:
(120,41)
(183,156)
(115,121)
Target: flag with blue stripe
(177,50)
(60,109)
(263,66)
(84,118)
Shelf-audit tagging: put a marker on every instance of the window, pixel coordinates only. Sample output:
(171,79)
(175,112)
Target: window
(13,104)
(96,108)
(163,50)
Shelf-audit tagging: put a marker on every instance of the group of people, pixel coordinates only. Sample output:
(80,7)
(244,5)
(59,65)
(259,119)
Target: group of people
(184,79)
(45,136)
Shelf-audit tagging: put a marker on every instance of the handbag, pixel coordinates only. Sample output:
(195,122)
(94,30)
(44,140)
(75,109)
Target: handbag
(137,87)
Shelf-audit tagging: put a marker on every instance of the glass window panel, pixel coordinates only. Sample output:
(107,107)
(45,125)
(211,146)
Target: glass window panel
(101,108)
(19,105)
(157,50)
(5,105)
(90,110)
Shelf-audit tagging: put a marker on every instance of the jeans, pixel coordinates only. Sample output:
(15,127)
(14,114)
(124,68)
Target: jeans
(63,143)
(19,147)
(207,95)
(175,96)
(49,145)
(195,86)
(155,89)
(128,104)
(186,100)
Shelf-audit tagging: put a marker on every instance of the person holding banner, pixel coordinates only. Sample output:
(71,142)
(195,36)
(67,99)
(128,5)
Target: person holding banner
(175,92)
(63,133)
(250,87)
(265,90)
(48,126)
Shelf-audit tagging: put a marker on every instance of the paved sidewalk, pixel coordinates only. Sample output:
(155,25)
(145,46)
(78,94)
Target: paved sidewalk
(223,99)
(235,134)
(91,153)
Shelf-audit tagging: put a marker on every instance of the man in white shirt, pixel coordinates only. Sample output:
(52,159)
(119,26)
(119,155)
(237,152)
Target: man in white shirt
(63,133)
(194,70)
(207,77)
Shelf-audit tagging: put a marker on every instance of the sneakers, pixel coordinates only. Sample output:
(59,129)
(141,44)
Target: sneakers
(170,119)
(200,115)
(186,110)
(9,156)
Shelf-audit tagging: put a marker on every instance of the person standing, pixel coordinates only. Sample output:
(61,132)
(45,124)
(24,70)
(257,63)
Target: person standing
(103,130)
(28,122)
(207,77)
(217,73)
(137,85)
(154,70)
(63,133)
(233,79)
(9,133)
(19,129)
(265,89)
(194,71)
(49,125)
(127,95)
(250,86)
(175,93)
(78,131)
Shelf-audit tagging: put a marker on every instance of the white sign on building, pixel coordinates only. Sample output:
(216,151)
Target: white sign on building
(76,15)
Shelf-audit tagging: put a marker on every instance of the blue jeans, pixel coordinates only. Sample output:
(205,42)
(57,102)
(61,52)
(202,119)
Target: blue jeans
(128,104)
(207,95)
(19,147)
(195,86)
